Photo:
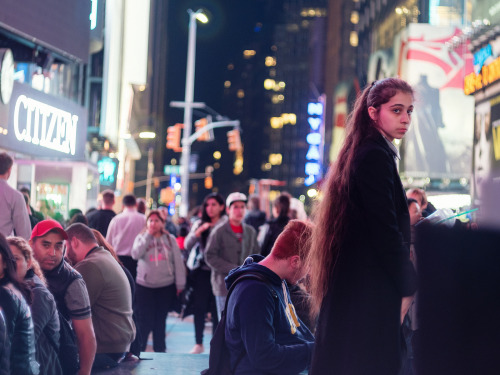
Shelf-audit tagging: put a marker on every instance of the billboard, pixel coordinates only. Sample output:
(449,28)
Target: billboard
(439,142)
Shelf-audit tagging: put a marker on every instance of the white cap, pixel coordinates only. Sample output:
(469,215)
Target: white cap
(235,197)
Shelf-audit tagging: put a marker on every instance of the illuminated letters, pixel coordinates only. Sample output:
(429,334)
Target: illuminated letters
(46,126)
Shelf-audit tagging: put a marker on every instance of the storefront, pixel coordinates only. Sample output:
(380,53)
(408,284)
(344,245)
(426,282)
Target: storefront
(47,135)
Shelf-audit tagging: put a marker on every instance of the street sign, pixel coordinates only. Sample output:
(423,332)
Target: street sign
(172,169)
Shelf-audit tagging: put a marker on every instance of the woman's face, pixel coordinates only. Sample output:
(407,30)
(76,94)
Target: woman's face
(22,264)
(394,117)
(154,224)
(482,146)
(213,208)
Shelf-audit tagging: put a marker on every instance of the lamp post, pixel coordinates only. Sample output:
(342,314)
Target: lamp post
(188,107)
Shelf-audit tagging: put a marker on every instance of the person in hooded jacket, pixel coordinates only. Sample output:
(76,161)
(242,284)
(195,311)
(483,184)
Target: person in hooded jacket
(161,275)
(263,333)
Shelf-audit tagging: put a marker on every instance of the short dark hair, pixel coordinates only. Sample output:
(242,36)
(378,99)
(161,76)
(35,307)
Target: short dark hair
(129,200)
(108,197)
(25,190)
(82,232)
(282,203)
(6,162)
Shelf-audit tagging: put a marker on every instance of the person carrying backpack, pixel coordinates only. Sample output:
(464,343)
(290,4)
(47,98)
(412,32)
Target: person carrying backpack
(262,332)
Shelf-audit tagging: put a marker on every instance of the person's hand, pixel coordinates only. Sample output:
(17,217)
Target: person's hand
(405,306)
(202,228)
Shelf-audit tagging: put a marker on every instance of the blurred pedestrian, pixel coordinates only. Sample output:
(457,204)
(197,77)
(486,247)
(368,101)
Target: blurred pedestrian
(202,297)
(254,216)
(100,219)
(161,275)
(362,278)
(43,307)
(281,206)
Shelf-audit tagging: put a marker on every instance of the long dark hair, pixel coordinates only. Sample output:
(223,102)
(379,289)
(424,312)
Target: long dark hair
(329,212)
(10,274)
(204,216)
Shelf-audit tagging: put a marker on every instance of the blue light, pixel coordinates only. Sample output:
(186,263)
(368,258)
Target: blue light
(310,180)
(313,168)
(313,153)
(314,139)
(106,168)
(315,109)
(314,123)
(173,180)
(171,209)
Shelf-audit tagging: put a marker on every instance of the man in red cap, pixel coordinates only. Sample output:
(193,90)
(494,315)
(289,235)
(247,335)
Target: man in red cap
(67,286)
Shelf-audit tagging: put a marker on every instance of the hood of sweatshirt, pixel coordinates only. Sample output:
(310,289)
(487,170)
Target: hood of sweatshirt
(251,264)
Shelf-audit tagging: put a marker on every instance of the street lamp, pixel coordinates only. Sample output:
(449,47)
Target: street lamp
(188,108)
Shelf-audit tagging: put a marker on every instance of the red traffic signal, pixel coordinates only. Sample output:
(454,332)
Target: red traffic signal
(174,137)
(200,124)
(234,140)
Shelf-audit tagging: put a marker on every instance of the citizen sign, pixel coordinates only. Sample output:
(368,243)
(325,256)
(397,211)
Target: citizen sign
(46,126)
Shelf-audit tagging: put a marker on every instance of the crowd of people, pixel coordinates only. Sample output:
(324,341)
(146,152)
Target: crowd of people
(329,294)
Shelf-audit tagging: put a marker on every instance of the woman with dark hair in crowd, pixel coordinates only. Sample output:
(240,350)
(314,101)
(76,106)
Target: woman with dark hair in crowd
(361,275)
(43,307)
(161,275)
(13,301)
(281,206)
(203,300)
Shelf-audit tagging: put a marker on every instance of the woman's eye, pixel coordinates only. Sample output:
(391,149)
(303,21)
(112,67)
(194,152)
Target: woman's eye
(397,110)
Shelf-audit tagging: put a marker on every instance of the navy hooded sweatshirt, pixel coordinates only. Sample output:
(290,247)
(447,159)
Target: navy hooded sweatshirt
(257,323)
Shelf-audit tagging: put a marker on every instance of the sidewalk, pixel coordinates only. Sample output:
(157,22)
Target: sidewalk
(180,335)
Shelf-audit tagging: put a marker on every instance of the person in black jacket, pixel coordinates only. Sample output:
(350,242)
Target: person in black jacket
(281,206)
(20,335)
(361,275)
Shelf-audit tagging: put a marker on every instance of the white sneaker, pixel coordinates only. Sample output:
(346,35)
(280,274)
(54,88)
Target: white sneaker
(197,349)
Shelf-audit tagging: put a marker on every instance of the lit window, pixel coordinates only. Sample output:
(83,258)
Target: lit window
(353,38)
(269,84)
(248,53)
(227,84)
(240,94)
(354,17)
(270,61)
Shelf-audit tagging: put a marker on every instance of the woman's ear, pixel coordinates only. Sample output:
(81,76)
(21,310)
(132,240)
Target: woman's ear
(373,113)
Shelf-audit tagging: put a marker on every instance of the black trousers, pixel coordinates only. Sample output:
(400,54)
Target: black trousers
(203,302)
(152,306)
(130,264)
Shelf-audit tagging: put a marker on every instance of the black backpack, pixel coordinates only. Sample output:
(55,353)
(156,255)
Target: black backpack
(219,360)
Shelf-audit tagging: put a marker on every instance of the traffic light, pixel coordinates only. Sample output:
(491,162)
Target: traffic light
(200,124)
(234,140)
(174,137)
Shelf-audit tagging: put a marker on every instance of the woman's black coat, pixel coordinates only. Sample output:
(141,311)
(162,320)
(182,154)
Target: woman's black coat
(358,332)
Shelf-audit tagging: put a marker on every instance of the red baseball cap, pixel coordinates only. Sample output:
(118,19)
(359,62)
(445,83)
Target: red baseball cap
(45,226)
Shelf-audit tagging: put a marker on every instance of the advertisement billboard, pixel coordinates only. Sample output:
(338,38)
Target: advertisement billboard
(439,142)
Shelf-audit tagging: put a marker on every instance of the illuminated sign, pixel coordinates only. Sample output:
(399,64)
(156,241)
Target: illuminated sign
(108,169)
(480,58)
(46,126)
(315,140)
(42,125)
(489,74)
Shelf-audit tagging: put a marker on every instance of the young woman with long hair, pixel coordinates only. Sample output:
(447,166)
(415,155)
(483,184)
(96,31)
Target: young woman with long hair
(361,275)
(203,300)
(43,307)
(14,296)
(161,275)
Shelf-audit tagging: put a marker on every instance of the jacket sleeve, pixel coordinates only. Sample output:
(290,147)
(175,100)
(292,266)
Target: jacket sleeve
(257,311)
(191,238)
(180,268)
(376,181)
(111,232)
(213,252)
(140,246)
(20,217)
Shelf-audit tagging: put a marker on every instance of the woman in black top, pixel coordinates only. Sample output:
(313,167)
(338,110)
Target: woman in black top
(361,275)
